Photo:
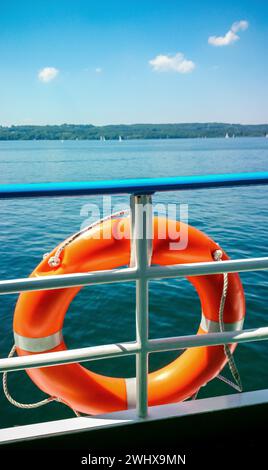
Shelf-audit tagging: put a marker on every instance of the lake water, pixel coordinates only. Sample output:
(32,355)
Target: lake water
(236,218)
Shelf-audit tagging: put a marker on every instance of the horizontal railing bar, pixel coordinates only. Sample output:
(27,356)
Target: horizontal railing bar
(198,269)
(69,356)
(13,286)
(126,349)
(209,339)
(131,186)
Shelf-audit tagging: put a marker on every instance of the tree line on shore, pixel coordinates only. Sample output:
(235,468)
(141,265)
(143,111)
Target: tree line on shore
(131,131)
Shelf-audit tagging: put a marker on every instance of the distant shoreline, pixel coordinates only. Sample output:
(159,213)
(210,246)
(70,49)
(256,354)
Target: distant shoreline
(132,131)
(131,139)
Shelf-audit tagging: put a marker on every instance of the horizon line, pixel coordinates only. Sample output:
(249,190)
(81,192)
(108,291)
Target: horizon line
(135,124)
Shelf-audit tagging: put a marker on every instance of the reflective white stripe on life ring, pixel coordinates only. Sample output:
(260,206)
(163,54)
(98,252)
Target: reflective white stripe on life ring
(131,392)
(211,326)
(35,345)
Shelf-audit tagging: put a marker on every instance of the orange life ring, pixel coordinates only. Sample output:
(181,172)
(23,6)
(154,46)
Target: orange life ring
(39,317)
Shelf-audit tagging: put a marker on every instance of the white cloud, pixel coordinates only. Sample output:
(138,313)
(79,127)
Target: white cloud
(230,37)
(240,26)
(98,70)
(47,74)
(176,63)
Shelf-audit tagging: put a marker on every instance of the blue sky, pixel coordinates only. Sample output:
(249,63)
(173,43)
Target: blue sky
(101,62)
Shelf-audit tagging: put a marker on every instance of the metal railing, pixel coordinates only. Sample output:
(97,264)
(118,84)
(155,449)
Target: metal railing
(141,195)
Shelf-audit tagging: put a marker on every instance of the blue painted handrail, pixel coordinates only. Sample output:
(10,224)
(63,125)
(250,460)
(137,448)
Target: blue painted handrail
(131,186)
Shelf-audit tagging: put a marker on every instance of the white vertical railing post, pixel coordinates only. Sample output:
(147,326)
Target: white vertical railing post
(141,229)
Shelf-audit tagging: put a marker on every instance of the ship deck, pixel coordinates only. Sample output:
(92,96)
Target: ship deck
(225,427)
